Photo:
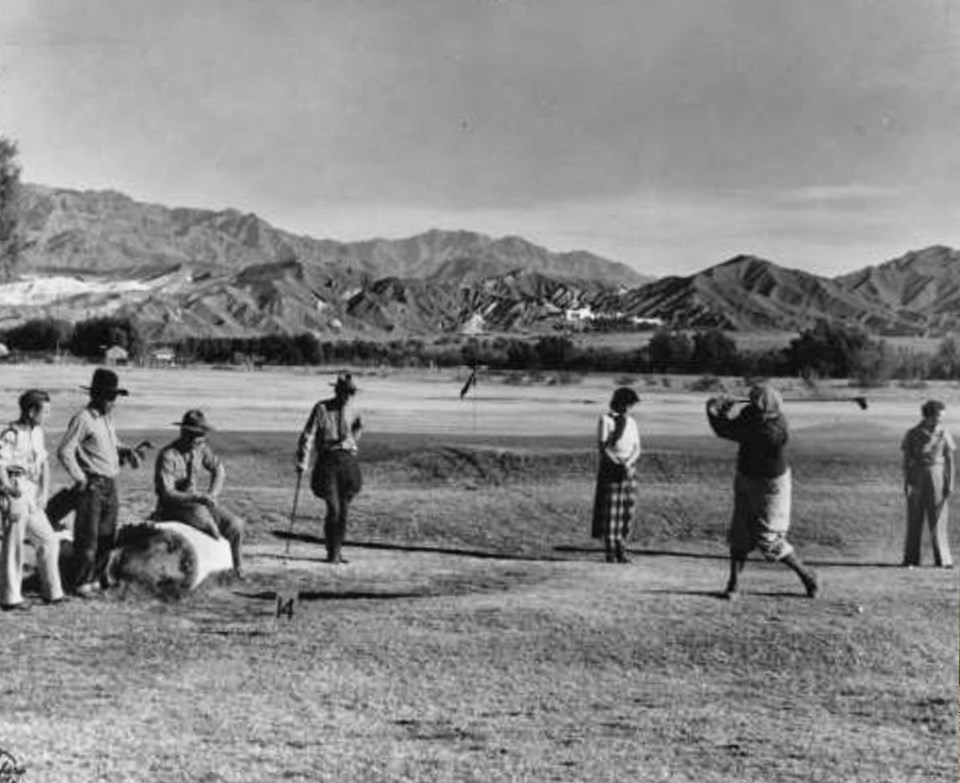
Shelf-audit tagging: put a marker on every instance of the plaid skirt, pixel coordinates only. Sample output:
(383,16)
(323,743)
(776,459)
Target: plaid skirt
(613,503)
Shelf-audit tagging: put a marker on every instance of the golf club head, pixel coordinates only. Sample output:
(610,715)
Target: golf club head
(861,402)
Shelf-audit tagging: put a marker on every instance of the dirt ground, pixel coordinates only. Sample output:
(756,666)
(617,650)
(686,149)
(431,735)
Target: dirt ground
(475,634)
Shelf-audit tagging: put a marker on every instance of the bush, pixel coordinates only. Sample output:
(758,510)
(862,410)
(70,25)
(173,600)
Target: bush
(707,383)
(44,334)
(91,338)
(913,383)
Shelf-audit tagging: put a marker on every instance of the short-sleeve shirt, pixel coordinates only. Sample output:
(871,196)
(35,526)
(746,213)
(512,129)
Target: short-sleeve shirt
(177,470)
(925,447)
(22,448)
(626,442)
(329,428)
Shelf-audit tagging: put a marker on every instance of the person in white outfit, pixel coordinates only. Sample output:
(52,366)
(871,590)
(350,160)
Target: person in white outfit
(24,488)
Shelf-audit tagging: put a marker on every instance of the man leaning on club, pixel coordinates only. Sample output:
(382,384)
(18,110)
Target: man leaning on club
(333,432)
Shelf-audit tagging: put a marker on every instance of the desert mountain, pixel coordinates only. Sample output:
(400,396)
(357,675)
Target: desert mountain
(752,293)
(922,287)
(105,231)
(190,272)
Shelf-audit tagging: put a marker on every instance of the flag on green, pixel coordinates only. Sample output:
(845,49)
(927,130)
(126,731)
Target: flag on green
(471,382)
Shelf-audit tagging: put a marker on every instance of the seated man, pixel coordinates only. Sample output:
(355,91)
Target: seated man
(179,497)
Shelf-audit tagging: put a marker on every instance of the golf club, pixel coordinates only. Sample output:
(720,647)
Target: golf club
(861,402)
(293,515)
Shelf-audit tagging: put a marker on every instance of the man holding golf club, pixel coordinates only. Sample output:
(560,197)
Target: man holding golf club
(333,432)
(762,487)
(929,457)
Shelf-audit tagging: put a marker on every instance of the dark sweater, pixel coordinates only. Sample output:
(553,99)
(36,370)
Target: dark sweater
(762,441)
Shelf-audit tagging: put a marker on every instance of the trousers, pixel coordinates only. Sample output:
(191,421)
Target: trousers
(926,504)
(94,530)
(336,478)
(202,517)
(23,520)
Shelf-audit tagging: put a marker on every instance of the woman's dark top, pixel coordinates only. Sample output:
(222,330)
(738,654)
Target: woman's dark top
(762,441)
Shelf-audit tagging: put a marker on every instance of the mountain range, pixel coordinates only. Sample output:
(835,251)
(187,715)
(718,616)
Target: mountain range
(190,272)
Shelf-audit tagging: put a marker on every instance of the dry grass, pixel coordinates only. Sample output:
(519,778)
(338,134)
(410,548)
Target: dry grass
(476,636)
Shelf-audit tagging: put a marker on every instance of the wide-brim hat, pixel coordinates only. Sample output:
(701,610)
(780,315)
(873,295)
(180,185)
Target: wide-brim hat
(195,421)
(345,383)
(106,383)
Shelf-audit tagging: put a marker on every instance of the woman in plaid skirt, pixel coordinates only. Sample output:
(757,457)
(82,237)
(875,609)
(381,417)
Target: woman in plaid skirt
(615,497)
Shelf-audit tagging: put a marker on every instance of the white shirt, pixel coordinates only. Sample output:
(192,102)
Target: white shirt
(21,446)
(629,441)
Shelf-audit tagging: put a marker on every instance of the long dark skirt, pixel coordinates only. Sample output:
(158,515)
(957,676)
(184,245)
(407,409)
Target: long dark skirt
(613,504)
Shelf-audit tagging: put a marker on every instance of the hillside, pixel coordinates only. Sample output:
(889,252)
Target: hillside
(104,231)
(192,272)
(747,293)
(922,287)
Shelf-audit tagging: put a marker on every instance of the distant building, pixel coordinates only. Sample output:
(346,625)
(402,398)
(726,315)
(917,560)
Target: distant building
(116,355)
(163,356)
(579,314)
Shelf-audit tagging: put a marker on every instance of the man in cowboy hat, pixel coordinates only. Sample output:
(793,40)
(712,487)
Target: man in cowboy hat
(179,495)
(92,454)
(333,431)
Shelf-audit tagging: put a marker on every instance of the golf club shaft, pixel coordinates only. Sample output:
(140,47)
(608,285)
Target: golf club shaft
(861,401)
(293,513)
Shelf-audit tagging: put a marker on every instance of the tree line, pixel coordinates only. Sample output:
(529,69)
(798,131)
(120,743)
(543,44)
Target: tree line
(827,350)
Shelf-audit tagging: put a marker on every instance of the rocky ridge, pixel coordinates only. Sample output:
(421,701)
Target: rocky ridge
(188,272)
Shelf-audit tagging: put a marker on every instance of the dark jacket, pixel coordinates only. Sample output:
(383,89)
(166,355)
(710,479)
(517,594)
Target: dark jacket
(762,441)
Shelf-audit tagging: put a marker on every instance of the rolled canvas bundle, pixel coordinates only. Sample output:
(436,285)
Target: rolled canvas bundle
(168,558)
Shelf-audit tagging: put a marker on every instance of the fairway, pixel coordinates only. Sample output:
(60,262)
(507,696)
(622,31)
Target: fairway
(475,634)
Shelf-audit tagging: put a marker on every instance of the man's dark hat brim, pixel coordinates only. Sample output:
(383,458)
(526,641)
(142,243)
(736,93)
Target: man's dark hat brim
(107,390)
(193,427)
(105,382)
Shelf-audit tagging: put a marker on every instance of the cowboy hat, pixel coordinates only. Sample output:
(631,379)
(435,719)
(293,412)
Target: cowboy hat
(106,383)
(195,421)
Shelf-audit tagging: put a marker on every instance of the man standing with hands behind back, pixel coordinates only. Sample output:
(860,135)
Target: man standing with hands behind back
(333,430)
(92,455)
(929,459)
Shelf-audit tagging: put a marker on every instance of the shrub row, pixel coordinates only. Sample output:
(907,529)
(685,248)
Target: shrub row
(825,351)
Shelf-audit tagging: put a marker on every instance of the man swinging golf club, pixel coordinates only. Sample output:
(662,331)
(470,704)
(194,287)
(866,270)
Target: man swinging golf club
(333,432)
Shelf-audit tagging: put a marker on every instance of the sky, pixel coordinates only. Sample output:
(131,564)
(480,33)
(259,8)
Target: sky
(669,135)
